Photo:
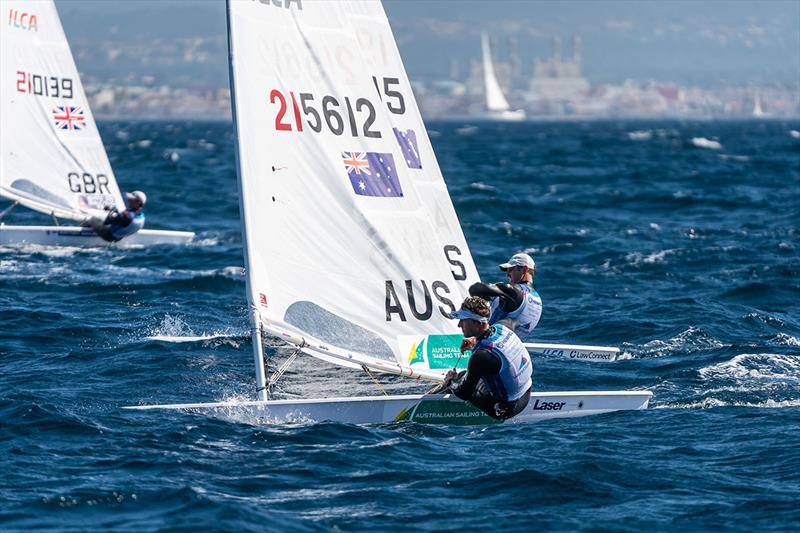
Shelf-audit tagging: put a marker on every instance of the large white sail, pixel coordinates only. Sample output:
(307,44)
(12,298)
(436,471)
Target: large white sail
(495,100)
(51,158)
(351,237)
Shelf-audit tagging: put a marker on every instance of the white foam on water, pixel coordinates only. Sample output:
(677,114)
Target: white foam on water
(756,371)
(204,243)
(709,144)
(690,340)
(482,186)
(638,258)
(176,330)
(640,135)
(467,130)
(711,403)
(794,134)
(49,251)
(188,338)
(734,157)
(786,340)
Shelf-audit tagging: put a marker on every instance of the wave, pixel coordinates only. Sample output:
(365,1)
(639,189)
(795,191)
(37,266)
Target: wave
(691,340)
(174,329)
(755,371)
(640,135)
(709,144)
(638,258)
(711,403)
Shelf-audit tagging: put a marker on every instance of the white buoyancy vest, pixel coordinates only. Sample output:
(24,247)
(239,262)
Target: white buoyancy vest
(527,315)
(516,368)
(137,223)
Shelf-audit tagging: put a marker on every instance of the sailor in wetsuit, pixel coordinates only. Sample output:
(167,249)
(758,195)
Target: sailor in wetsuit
(498,376)
(116,226)
(516,305)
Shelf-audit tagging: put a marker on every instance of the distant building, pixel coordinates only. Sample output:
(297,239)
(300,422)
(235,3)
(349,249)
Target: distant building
(558,79)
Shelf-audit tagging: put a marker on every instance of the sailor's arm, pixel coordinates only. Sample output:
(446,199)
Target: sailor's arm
(481,363)
(118,219)
(510,296)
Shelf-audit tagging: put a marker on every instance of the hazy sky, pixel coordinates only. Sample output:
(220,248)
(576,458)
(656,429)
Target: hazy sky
(705,42)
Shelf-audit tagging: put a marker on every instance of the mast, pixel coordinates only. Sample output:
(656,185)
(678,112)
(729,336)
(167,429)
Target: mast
(255,319)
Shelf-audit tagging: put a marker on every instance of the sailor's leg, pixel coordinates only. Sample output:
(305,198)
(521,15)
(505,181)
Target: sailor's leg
(507,410)
(482,399)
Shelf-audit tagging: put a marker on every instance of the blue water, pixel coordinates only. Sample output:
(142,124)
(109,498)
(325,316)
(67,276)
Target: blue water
(687,257)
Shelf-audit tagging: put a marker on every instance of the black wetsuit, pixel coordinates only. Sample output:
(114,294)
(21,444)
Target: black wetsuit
(108,230)
(470,387)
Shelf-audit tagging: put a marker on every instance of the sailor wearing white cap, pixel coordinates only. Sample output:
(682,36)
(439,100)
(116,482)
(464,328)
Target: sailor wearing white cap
(118,225)
(516,305)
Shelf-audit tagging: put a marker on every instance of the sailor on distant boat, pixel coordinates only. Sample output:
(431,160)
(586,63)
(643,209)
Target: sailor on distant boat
(516,305)
(116,226)
(498,376)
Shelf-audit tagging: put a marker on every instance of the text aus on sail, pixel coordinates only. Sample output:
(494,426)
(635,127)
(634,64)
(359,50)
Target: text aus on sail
(416,297)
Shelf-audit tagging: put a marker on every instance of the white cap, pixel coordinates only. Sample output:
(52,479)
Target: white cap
(462,314)
(519,260)
(139,195)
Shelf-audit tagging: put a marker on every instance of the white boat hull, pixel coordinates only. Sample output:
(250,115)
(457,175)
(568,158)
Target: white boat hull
(85,237)
(424,409)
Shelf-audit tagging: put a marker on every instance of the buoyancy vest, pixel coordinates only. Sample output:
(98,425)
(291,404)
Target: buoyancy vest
(516,368)
(527,315)
(137,223)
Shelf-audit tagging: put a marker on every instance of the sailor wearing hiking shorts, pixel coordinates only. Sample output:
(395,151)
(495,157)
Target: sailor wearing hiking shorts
(499,373)
(516,305)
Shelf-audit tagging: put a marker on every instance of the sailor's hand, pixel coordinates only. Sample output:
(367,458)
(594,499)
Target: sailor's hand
(450,376)
(468,344)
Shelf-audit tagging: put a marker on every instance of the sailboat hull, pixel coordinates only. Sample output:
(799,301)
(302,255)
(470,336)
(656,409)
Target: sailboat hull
(85,237)
(424,409)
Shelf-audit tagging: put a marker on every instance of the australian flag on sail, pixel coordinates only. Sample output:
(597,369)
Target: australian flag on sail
(408,145)
(69,118)
(372,173)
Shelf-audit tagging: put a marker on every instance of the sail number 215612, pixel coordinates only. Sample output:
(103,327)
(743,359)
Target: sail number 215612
(295,111)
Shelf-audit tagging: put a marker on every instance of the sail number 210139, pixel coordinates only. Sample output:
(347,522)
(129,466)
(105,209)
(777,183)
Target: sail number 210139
(356,116)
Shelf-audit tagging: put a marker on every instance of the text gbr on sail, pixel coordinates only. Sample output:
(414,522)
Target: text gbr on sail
(86,183)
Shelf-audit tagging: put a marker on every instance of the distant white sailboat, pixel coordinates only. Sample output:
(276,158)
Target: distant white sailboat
(353,250)
(52,158)
(757,111)
(496,103)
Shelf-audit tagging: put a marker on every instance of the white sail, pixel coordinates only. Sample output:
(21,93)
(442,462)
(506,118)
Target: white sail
(495,100)
(52,158)
(352,241)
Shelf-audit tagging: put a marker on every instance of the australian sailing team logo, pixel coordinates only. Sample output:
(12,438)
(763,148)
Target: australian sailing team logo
(438,351)
(372,174)
(69,117)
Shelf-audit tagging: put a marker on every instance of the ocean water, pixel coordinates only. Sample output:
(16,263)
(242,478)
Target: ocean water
(678,241)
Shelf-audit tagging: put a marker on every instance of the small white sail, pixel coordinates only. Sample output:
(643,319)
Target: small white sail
(52,158)
(495,100)
(352,241)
